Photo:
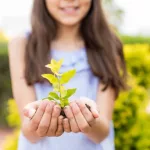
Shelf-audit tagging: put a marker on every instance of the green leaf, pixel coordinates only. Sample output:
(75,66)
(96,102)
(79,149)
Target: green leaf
(51,78)
(60,62)
(56,87)
(70,92)
(54,69)
(53,62)
(58,66)
(63,91)
(66,102)
(49,98)
(48,66)
(67,76)
(54,95)
(44,98)
(55,66)
(62,104)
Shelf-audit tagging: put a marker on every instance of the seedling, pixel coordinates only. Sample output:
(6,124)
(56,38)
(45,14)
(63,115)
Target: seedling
(59,94)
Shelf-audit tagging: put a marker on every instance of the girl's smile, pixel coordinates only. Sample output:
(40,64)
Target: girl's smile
(73,10)
(68,12)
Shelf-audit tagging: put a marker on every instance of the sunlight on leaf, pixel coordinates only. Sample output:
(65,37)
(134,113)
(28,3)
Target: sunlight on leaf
(67,76)
(66,102)
(51,78)
(53,95)
(63,91)
(69,93)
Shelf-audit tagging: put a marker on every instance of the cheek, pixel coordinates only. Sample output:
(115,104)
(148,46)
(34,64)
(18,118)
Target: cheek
(51,6)
(85,7)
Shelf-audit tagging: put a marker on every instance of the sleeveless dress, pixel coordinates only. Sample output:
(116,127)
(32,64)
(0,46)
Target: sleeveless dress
(86,84)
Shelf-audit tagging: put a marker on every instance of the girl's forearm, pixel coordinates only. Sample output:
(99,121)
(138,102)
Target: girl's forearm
(99,130)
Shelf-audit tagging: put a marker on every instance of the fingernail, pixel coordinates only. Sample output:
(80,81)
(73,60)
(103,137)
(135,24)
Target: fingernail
(52,103)
(96,114)
(57,107)
(25,112)
(31,112)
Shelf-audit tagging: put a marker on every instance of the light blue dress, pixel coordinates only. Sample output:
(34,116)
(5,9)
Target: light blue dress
(86,84)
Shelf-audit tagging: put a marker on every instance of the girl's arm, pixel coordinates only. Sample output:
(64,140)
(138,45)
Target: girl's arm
(39,125)
(22,93)
(105,105)
(95,125)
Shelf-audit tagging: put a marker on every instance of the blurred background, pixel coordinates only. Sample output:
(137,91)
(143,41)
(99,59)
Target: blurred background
(132,109)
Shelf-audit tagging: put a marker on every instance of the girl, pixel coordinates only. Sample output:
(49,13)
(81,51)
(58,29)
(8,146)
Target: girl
(77,31)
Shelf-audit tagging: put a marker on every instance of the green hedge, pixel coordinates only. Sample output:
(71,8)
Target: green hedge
(138,62)
(134,39)
(131,119)
(5,83)
(127,118)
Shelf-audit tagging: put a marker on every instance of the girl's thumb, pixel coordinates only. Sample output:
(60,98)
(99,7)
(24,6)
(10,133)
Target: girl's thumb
(29,112)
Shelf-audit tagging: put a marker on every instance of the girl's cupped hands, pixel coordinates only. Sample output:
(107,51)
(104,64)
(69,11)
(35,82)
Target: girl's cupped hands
(80,118)
(45,119)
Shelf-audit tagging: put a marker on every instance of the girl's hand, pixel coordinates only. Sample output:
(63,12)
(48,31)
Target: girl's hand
(45,119)
(80,118)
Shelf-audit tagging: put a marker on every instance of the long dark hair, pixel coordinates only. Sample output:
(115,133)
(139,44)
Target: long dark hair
(104,49)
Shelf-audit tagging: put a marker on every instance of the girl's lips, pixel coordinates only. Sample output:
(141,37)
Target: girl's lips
(70,10)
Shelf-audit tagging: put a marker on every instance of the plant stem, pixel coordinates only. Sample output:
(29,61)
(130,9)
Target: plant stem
(59,85)
(59,88)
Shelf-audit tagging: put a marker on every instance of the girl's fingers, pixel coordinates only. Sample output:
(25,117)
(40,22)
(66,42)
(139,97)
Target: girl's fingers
(86,112)
(94,112)
(81,121)
(29,113)
(45,121)
(30,109)
(92,105)
(60,126)
(54,120)
(73,124)
(35,121)
(66,125)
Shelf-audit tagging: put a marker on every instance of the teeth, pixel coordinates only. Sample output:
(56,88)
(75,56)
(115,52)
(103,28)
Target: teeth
(69,9)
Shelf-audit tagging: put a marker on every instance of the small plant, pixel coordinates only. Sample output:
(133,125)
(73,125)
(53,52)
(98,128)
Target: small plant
(59,94)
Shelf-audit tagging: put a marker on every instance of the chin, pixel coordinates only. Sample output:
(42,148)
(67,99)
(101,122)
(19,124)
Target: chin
(69,22)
